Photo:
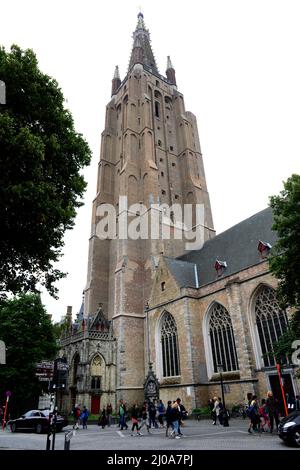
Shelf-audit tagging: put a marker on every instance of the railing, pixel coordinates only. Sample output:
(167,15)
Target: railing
(88,334)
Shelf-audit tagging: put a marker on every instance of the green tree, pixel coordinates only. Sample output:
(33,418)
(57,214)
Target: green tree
(41,186)
(28,333)
(285,259)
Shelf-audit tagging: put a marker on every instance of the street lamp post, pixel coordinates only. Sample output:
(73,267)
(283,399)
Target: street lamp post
(223,411)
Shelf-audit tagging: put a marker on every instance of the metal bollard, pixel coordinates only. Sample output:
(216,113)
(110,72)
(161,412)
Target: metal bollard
(68,437)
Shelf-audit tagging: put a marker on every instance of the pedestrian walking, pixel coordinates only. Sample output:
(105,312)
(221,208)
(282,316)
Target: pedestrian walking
(103,418)
(134,420)
(175,420)
(109,411)
(216,410)
(272,410)
(182,413)
(161,413)
(253,414)
(144,417)
(76,415)
(152,415)
(122,414)
(264,418)
(84,417)
(169,420)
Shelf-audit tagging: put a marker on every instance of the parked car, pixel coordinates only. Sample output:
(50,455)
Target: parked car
(289,429)
(36,420)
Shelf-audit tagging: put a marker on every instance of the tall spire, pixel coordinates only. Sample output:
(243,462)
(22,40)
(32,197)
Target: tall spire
(170,72)
(141,51)
(116,81)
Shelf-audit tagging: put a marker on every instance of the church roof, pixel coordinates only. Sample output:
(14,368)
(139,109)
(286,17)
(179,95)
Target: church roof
(182,271)
(141,39)
(237,246)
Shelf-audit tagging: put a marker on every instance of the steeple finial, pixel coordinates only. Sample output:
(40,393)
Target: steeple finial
(169,63)
(117,73)
(140,23)
(141,51)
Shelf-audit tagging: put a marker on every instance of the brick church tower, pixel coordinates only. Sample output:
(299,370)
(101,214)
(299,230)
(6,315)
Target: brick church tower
(150,152)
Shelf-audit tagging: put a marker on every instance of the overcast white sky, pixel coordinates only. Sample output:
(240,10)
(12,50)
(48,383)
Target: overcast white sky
(237,64)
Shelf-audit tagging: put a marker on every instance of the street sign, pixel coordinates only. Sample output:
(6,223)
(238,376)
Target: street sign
(44,371)
(2,352)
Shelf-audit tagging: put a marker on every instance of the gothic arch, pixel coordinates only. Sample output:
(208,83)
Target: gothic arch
(74,365)
(132,190)
(267,323)
(167,346)
(219,342)
(107,178)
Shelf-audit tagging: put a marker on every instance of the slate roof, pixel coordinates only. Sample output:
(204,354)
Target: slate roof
(182,271)
(237,246)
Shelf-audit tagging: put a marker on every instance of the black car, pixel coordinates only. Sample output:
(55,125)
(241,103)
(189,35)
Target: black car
(36,420)
(289,428)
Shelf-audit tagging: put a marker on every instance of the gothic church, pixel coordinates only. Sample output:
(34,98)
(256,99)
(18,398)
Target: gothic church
(191,314)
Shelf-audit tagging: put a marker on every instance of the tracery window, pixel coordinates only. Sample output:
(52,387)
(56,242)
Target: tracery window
(222,339)
(169,346)
(271,322)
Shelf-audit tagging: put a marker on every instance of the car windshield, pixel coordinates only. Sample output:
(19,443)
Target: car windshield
(30,413)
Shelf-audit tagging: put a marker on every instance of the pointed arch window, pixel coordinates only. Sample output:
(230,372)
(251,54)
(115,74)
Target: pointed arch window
(271,323)
(169,346)
(222,340)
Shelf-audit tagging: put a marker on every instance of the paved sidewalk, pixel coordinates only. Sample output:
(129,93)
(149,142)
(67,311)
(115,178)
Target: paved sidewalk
(197,435)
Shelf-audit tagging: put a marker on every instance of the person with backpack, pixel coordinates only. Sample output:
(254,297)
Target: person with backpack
(84,417)
(253,414)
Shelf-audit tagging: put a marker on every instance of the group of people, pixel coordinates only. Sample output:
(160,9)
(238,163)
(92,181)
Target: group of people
(153,414)
(263,414)
(80,416)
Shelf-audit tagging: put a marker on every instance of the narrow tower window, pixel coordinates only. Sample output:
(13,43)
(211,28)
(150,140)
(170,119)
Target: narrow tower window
(157,110)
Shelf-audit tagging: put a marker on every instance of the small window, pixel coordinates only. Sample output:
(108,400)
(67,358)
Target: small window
(173,164)
(157,83)
(158,128)
(159,143)
(162,173)
(163,286)
(167,116)
(176,196)
(161,160)
(163,192)
(171,148)
(157,109)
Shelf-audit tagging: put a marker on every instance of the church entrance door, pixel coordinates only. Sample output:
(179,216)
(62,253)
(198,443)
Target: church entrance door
(288,389)
(95,405)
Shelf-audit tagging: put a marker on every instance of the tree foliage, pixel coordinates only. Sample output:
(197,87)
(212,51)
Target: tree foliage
(285,259)
(41,186)
(29,336)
